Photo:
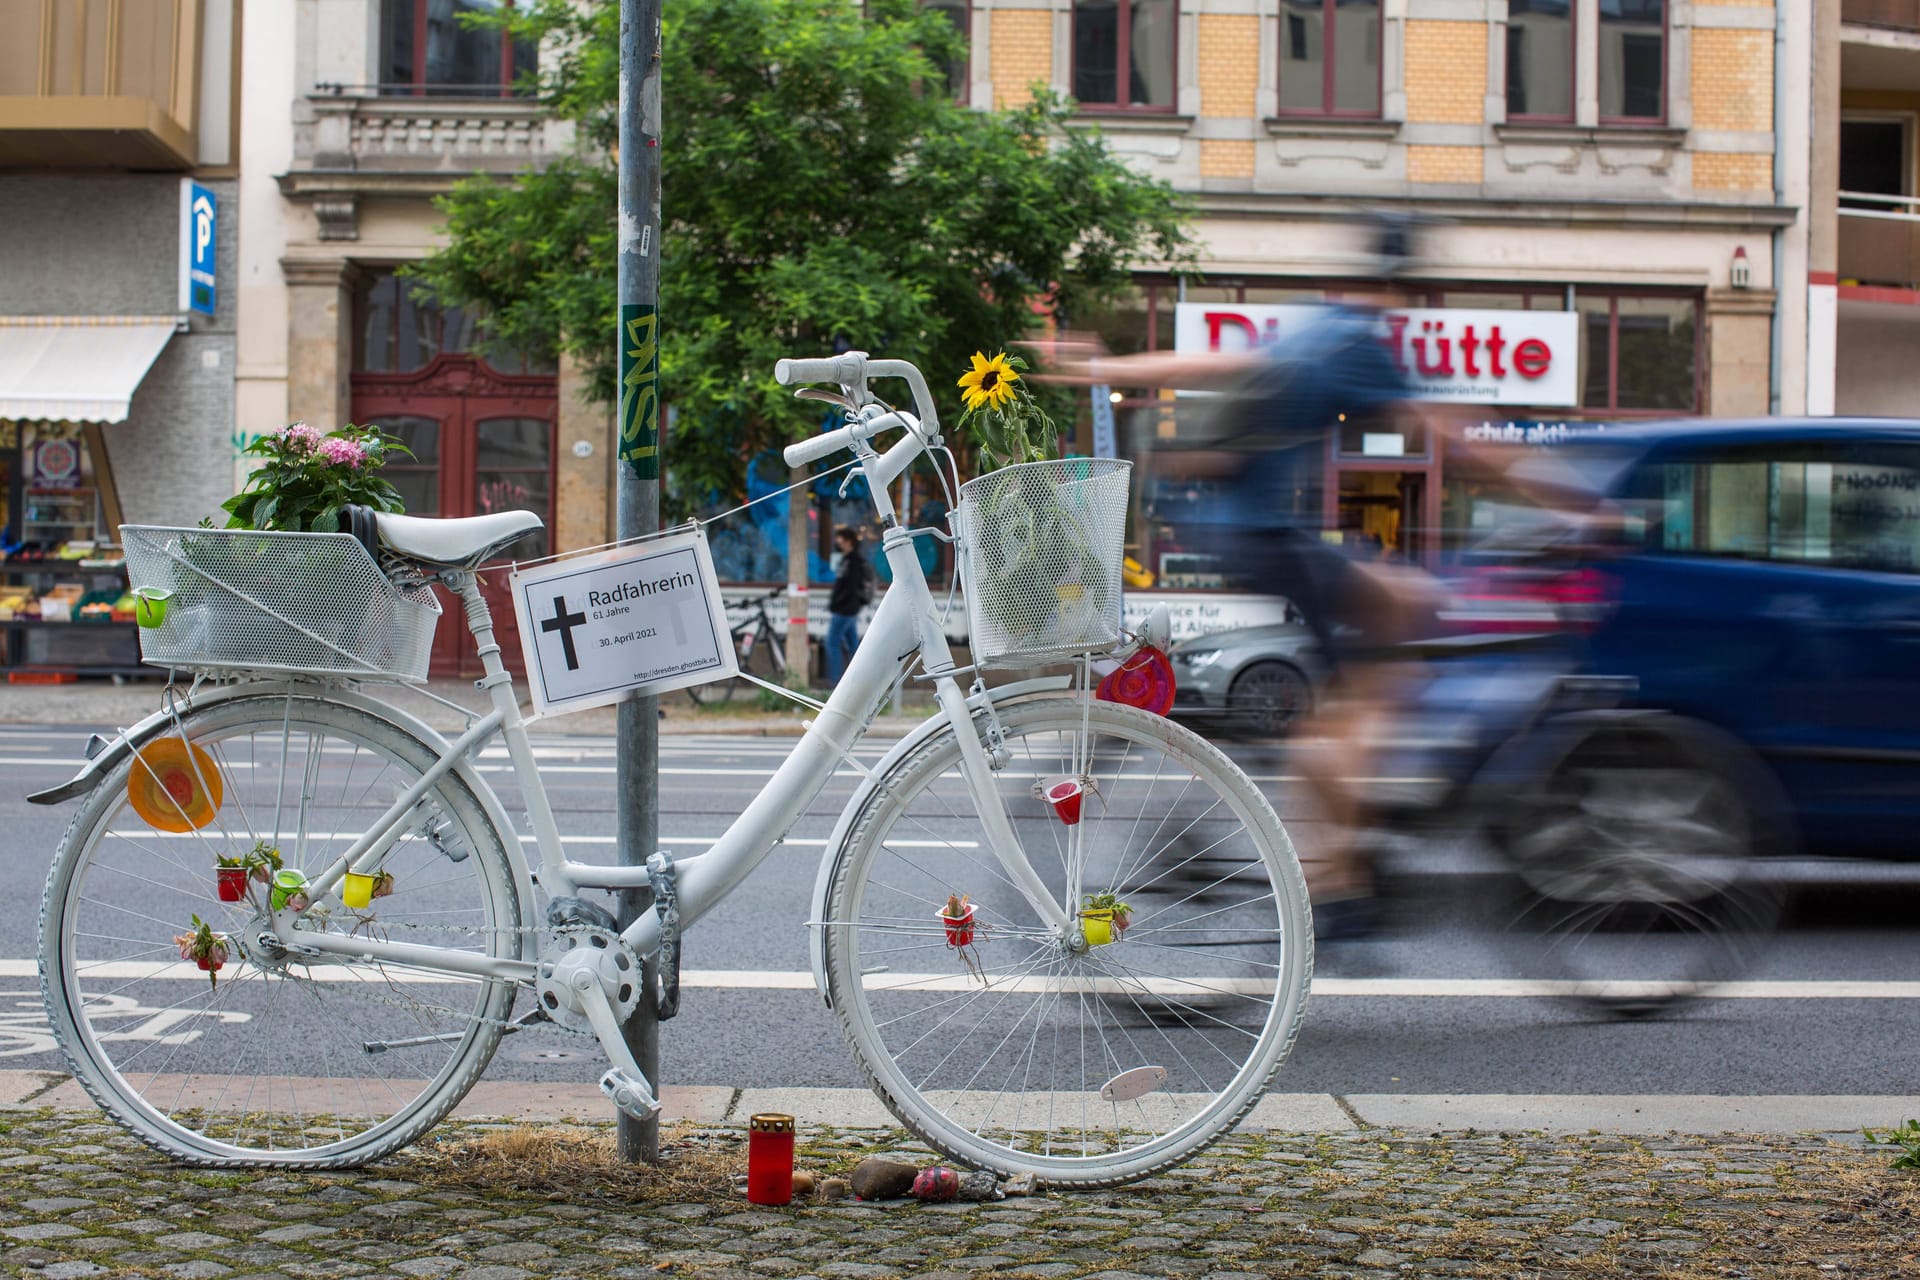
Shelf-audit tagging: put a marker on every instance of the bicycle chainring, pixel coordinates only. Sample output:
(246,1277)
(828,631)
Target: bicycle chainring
(616,964)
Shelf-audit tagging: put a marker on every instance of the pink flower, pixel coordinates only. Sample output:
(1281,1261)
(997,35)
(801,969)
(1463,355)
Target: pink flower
(341,452)
(301,438)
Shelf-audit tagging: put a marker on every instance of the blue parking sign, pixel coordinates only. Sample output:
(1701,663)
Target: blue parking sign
(199,240)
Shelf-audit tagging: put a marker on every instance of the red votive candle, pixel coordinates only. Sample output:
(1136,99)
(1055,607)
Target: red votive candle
(770,1159)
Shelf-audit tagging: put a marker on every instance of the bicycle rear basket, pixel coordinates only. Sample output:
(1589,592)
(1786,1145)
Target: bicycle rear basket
(1042,544)
(252,600)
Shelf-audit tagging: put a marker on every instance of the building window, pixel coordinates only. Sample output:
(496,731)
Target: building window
(1633,60)
(399,327)
(1642,352)
(954,68)
(1540,66)
(429,50)
(1123,54)
(1876,159)
(1330,57)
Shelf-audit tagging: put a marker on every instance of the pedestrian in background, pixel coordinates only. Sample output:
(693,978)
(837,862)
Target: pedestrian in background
(852,592)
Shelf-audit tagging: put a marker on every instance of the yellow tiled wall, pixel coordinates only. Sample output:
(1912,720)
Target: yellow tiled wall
(1022,53)
(1721,171)
(1444,164)
(1446,72)
(1229,65)
(1732,79)
(1226,158)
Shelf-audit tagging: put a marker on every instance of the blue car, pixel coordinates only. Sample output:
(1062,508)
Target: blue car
(1729,669)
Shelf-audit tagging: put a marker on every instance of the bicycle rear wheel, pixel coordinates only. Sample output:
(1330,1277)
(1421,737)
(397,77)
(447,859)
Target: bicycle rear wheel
(1085,1065)
(273,1059)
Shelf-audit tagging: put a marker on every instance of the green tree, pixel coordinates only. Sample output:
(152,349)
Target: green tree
(819,188)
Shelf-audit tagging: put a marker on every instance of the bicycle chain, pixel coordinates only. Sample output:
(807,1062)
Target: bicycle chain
(416,1006)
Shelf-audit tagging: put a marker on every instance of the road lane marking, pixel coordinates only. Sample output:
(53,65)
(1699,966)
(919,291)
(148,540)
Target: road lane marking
(1391,988)
(817,842)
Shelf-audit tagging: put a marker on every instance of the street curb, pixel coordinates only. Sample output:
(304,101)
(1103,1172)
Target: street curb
(1837,1116)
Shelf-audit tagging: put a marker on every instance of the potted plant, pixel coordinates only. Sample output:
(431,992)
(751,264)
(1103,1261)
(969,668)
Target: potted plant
(230,873)
(205,948)
(309,476)
(1038,559)
(1104,918)
(957,917)
(358,890)
(262,861)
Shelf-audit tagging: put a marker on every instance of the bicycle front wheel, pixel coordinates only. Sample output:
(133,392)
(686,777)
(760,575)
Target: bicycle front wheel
(268,1057)
(1092,1060)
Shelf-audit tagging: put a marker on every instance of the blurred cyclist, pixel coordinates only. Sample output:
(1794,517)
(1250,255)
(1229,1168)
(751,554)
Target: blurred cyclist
(1268,440)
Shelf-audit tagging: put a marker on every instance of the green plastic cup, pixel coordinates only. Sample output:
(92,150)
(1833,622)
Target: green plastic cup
(286,883)
(150,605)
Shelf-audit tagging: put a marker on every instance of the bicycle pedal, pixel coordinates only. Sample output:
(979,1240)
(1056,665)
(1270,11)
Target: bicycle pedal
(631,1094)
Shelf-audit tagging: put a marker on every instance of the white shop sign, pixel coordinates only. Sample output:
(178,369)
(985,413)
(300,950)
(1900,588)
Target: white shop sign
(642,619)
(1445,353)
(1201,613)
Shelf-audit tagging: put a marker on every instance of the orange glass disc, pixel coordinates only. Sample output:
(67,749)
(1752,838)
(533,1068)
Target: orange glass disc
(174,786)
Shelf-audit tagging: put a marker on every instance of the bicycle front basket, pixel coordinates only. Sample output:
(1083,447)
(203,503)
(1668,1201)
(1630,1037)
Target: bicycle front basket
(255,600)
(1042,544)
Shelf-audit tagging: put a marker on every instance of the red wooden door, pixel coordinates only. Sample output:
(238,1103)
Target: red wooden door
(482,442)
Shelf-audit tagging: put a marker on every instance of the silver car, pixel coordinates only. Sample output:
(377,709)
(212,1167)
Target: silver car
(1259,680)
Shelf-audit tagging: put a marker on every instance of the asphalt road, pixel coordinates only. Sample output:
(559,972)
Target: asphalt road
(1389,1015)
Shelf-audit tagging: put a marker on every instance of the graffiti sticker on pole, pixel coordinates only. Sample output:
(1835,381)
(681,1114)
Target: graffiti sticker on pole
(641,619)
(640,389)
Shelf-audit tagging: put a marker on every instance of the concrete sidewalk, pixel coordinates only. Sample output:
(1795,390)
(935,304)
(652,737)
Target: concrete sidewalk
(475,1201)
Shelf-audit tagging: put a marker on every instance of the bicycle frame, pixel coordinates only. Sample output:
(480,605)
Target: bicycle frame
(908,622)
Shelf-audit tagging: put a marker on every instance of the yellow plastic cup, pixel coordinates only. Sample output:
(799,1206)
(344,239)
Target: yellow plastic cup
(356,890)
(1098,926)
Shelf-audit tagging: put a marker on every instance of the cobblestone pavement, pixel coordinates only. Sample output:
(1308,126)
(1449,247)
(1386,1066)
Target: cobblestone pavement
(78,1198)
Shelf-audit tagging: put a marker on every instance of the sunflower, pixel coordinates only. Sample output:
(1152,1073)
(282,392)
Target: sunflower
(989,382)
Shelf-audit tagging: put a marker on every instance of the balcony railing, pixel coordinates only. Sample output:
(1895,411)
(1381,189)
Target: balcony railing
(1903,15)
(423,135)
(1880,239)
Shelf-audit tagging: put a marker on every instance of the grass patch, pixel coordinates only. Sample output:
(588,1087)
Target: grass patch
(582,1166)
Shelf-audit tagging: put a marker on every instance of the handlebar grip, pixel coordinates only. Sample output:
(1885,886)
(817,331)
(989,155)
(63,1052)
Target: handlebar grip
(799,455)
(841,369)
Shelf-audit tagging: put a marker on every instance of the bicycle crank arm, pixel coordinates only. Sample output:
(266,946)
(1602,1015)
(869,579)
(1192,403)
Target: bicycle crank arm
(626,1084)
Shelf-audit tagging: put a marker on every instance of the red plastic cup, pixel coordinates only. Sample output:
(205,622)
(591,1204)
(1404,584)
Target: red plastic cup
(1065,796)
(959,928)
(770,1159)
(232,882)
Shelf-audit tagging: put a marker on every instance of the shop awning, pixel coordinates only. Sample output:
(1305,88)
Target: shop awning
(76,368)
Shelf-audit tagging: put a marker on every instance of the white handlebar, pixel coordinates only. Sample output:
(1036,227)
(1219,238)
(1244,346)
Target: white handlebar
(851,371)
(843,369)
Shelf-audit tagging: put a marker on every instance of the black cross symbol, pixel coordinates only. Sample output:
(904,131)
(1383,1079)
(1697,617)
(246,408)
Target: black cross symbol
(564,623)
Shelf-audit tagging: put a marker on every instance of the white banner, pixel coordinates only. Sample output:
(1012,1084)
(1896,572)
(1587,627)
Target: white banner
(642,619)
(1466,357)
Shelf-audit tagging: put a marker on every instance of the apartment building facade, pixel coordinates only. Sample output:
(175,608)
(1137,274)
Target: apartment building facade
(1633,168)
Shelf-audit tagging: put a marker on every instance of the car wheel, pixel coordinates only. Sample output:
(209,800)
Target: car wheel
(1634,863)
(1269,698)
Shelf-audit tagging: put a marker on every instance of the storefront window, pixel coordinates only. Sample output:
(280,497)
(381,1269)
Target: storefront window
(1330,57)
(59,499)
(1123,54)
(1655,339)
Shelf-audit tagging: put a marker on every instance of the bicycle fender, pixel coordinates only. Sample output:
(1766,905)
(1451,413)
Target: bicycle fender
(139,734)
(823,881)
